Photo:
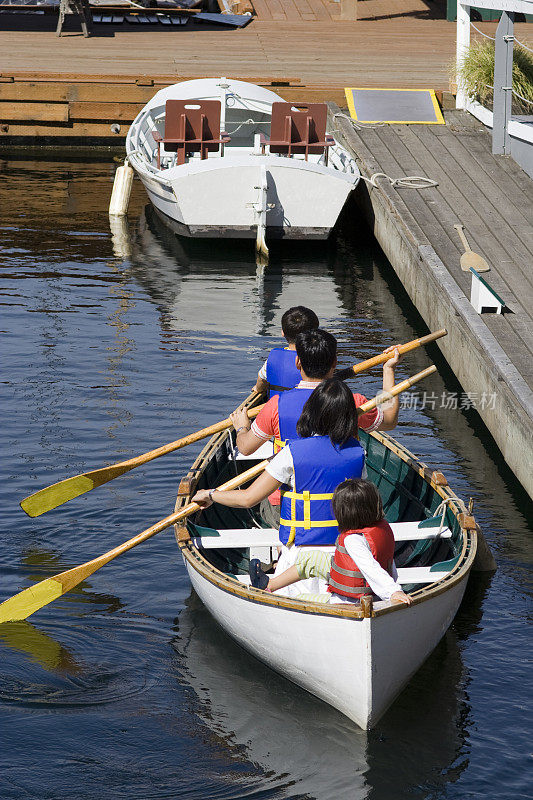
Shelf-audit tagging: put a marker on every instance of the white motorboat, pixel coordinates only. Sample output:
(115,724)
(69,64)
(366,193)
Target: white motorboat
(356,658)
(225,158)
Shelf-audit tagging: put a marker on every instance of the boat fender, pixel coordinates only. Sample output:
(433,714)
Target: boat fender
(120,196)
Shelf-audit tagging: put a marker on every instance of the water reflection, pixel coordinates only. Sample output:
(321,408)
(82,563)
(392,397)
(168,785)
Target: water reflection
(41,648)
(285,731)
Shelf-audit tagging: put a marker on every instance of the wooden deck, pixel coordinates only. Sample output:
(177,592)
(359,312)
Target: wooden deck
(72,87)
(392,44)
(490,195)
(491,355)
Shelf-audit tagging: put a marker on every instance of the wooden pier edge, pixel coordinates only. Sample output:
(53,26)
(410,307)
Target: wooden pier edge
(473,353)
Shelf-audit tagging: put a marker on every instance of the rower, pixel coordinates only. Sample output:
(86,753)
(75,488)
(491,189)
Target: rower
(316,359)
(279,372)
(308,470)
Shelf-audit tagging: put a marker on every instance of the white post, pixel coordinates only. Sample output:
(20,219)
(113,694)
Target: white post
(463,43)
(503,81)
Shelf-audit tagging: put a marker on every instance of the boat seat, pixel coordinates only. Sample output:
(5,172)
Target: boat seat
(239,537)
(191,126)
(268,537)
(408,575)
(298,128)
(265,451)
(411,532)
(420,575)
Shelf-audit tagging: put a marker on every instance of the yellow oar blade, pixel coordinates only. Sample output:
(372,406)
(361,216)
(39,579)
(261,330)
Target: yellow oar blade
(53,496)
(30,600)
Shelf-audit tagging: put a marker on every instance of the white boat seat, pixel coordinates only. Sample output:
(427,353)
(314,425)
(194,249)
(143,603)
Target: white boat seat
(265,451)
(239,537)
(410,532)
(406,575)
(420,575)
(268,537)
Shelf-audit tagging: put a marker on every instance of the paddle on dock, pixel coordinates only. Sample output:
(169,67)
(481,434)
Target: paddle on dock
(469,258)
(30,600)
(59,493)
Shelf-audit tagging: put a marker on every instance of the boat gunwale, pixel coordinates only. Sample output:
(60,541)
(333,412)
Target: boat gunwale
(231,585)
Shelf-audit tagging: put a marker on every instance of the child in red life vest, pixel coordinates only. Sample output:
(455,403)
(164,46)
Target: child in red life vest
(363,562)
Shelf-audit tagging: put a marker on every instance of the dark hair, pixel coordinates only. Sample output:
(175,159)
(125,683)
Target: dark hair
(317,351)
(298,319)
(356,504)
(329,411)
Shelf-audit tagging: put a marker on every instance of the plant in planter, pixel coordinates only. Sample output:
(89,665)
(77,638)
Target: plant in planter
(476,73)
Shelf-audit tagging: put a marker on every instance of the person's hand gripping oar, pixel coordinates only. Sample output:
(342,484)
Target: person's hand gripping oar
(25,603)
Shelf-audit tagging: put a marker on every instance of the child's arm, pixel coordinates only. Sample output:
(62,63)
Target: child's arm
(377,578)
(391,407)
(261,384)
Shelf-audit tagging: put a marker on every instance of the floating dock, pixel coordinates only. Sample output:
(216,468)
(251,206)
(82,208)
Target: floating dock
(491,354)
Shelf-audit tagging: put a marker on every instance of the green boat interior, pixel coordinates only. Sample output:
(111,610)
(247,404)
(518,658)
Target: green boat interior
(406,495)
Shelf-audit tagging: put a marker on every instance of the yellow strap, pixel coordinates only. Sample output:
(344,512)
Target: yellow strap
(307,510)
(326,523)
(292,534)
(306,496)
(279,444)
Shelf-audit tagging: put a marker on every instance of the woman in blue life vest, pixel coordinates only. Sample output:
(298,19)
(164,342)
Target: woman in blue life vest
(307,470)
(279,372)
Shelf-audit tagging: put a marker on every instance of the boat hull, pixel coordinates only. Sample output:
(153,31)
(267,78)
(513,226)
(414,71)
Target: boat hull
(217,197)
(358,666)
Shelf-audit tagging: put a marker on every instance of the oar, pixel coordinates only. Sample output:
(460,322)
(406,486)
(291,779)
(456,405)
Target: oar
(59,493)
(469,258)
(25,603)
(52,496)
(397,389)
(349,372)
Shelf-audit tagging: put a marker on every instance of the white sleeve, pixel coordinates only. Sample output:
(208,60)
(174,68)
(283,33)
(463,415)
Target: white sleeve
(282,467)
(378,579)
(263,371)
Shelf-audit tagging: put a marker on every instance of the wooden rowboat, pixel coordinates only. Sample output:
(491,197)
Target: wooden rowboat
(356,658)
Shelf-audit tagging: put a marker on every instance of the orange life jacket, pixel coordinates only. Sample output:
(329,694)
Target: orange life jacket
(345,577)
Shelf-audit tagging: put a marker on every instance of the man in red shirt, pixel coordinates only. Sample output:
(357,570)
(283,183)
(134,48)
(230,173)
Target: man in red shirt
(316,358)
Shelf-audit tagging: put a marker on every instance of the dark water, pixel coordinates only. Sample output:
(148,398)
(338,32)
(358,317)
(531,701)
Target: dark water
(125,688)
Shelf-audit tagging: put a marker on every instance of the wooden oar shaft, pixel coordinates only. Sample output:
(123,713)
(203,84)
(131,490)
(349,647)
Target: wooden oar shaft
(53,496)
(190,439)
(403,348)
(397,389)
(184,512)
(25,603)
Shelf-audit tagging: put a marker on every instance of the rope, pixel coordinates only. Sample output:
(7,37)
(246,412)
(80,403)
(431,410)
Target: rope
(481,32)
(523,45)
(407,182)
(522,98)
(361,126)
(246,122)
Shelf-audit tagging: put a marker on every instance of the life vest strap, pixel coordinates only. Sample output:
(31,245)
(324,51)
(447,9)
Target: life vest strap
(307,496)
(273,388)
(279,444)
(317,523)
(353,592)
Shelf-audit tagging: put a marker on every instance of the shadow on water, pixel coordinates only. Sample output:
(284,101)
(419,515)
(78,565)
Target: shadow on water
(282,729)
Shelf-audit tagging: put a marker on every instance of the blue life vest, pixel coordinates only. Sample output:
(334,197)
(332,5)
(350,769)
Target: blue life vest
(290,407)
(281,371)
(319,466)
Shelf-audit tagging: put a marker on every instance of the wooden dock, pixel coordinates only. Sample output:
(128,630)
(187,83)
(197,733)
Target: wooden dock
(491,355)
(71,86)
